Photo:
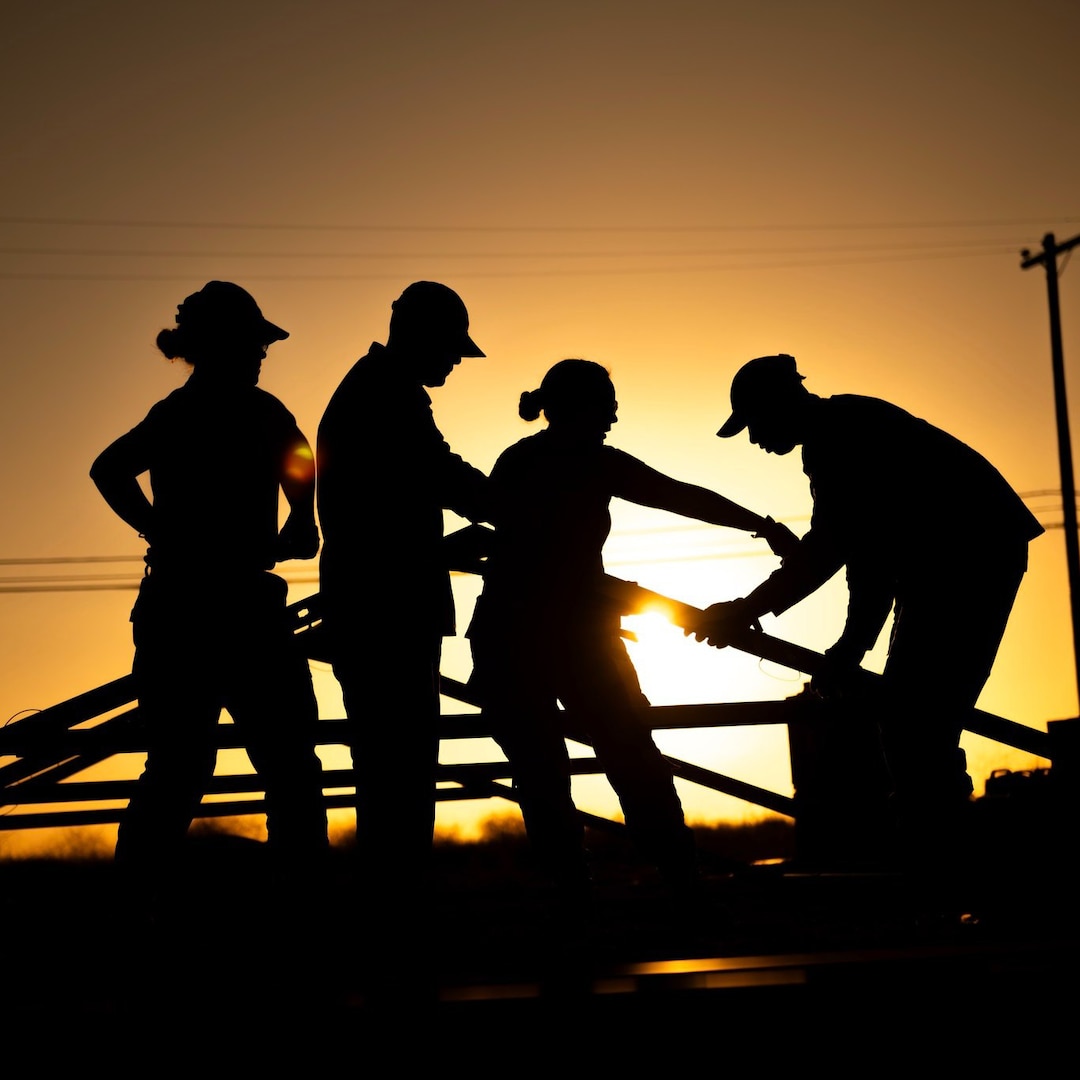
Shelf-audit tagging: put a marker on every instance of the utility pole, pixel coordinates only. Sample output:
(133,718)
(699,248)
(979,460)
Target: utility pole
(1048,259)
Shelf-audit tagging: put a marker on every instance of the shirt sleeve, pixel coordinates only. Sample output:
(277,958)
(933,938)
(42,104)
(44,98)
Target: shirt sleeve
(804,571)
(465,489)
(870,600)
(135,451)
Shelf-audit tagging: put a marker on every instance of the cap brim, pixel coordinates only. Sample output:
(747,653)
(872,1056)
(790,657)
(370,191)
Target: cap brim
(277,334)
(734,425)
(470,348)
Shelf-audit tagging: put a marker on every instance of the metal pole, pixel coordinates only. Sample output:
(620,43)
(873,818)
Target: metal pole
(1050,252)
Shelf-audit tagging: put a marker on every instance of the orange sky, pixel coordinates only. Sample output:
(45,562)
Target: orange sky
(667,189)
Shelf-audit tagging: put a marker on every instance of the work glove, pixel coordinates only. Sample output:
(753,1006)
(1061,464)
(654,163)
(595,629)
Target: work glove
(839,674)
(298,539)
(721,623)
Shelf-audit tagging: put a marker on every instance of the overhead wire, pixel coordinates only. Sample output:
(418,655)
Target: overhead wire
(805,256)
(384,227)
(928,246)
(736,549)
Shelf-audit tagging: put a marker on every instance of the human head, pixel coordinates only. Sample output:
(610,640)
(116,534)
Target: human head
(220,323)
(430,325)
(767,395)
(573,392)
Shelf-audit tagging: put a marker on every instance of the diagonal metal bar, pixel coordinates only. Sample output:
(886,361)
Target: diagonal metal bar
(726,785)
(635,598)
(49,751)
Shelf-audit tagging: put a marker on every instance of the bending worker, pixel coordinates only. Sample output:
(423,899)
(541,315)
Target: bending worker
(926,528)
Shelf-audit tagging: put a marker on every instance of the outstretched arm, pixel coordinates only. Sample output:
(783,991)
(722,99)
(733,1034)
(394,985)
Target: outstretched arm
(816,559)
(646,486)
(115,472)
(299,536)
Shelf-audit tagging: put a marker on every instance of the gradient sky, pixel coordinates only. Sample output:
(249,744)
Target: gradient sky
(669,189)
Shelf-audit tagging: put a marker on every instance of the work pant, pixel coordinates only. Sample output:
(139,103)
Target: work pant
(390,686)
(946,632)
(390,683)
(190,663)
(594,679)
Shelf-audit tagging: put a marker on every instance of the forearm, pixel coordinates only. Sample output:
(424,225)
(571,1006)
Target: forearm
(125,498)
(692,501)
(468,491)
(115,473)
(716,509)
(870,600)
(802,574)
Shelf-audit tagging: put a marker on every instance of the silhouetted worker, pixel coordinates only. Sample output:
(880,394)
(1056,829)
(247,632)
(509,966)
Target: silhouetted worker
(542,634)
(385,476)
(210,624)
(927,528)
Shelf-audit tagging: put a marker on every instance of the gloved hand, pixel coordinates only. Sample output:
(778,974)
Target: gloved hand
(721,622)
(778,536)
(839,674)
(298,539)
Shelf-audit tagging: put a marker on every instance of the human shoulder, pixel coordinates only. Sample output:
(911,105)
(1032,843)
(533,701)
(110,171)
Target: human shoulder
(169,409)
(272,406)
(166,423)
(376,385)
(860,406)
(531,448)
(614,458)
(843,417)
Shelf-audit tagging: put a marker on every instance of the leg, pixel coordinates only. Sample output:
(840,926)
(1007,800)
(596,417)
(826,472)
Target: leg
(273,704)
(944,641)
(522,712)
(391,693)
(179,705)
(599,686)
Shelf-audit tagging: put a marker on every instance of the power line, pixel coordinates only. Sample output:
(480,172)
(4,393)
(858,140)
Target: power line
(618,535)
(132,585)
(68,560)
(300,576)
(577,272)
(129,223)
(926,247)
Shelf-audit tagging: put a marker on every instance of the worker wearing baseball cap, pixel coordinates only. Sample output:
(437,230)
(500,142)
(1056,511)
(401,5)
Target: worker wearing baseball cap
(926,528)
(385,476)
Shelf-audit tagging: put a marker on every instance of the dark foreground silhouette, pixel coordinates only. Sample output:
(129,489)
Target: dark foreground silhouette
(781,962)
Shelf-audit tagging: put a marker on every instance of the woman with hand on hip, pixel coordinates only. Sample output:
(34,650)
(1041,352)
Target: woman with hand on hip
(210,624)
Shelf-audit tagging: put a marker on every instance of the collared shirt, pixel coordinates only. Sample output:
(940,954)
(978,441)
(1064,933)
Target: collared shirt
(898,502)
(385,475)
(553,494)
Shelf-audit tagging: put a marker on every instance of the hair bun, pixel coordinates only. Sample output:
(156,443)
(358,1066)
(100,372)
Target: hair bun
(530,405)
(171,342)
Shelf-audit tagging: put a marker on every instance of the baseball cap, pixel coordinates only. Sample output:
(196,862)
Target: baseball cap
(221,306)
(757,382)
(434,312)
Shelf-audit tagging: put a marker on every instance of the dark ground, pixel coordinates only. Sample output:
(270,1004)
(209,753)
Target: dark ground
(849,968)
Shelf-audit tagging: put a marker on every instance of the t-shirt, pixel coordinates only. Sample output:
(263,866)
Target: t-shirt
(216,460)
(552,497)
(900,503)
